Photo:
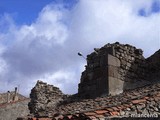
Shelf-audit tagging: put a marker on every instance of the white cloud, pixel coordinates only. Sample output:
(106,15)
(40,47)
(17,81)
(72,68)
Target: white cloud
(64,79)
(47,49)
(108,20)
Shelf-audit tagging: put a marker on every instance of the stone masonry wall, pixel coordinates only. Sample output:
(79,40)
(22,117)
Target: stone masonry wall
(132,68)
(117,67)
(44,98)
(94,78)
(111,70)
(139,103)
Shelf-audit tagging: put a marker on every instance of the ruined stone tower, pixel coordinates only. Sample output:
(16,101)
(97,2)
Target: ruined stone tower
(112,69)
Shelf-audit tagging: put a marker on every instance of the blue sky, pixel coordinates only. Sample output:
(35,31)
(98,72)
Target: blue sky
(26,11)
(40,39)
(155,8)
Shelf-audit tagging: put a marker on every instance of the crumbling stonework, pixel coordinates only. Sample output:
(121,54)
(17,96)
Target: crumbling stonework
(44,98)
(143,102)
(114,68)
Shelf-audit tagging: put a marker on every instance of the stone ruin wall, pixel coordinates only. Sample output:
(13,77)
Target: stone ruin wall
(44,98)
(115,68)
(112,65)
(132,70)
(135,70)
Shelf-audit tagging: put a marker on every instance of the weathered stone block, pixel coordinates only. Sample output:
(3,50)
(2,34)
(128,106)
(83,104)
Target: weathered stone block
(113,61)
(115,86)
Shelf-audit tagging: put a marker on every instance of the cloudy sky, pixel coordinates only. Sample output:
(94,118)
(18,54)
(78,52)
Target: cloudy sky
(39,39)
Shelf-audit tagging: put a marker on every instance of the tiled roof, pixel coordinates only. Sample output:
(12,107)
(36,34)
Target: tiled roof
(141,101)
(128,98)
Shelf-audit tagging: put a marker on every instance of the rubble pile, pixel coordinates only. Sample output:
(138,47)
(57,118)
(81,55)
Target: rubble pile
(44,98)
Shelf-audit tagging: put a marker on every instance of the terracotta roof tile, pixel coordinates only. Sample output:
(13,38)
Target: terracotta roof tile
(90,113)
(121,107)
(115,108)
(138,101)
(146,97)
(109,109)
(100,116)
(115,113)
(126,105)
(100,112)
